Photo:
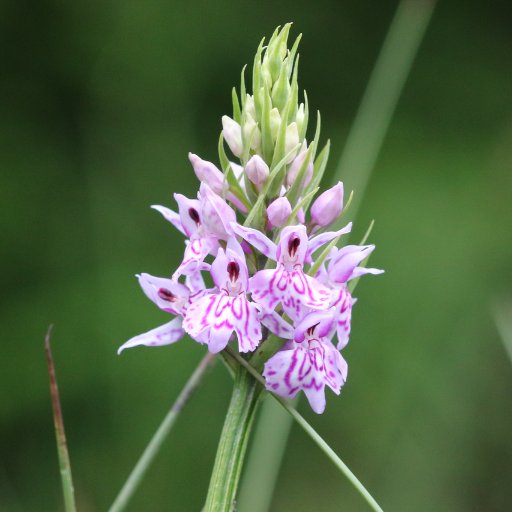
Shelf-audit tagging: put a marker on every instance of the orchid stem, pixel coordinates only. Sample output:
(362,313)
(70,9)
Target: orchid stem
(149,454)
(60,434)
(319,441)
(233,443)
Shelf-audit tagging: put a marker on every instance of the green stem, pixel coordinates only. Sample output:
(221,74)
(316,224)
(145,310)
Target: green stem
(320,442)
(233,443)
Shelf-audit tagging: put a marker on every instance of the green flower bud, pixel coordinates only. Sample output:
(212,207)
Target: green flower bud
(292,139)
(275,123)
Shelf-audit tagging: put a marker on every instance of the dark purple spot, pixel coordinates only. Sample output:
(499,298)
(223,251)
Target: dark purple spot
(233,270)
(166,295)
(311,330)
(293,245)
(194,215)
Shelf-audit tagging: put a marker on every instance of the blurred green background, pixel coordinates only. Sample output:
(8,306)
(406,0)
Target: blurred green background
(101,101)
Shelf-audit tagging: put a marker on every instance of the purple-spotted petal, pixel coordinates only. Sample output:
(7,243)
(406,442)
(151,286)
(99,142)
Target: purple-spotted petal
(215,317)
(293,246)
(343,302)
(195,252)
(256,239)
(167,294)
(283,372)
(164,335)
(319,323)
(229,272)
(170,216)
(190,213)
(295,290)
(309,367)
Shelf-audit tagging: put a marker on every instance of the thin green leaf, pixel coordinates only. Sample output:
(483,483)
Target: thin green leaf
(256,76)
(304,127)
(313,434)
(292,54)
(267,143)
(236,106)
(229,175)
(352,285)
(300,204)
(318,262)
(223,158)
(502,312)
(243,94)
(367,234)
(281,138)
(297,188)
(319,169)
(60,434)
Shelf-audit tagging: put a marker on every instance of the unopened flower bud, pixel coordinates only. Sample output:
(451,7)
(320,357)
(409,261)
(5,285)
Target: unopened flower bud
(281,89)
(249,106)
(232,135)
(294,169)
(292,139)
(257,171)
(266,75)
(275,123)
(299,118)
(252,132)
(208,173)
(328,206)
(279,211)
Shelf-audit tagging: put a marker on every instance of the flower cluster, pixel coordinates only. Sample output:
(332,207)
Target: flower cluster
(276,272)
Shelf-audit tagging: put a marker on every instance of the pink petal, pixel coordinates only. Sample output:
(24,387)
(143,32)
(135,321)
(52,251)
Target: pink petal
(216,316)
(195,282)
(295,290)
(283,372)
(167,294)
(343,302)
(208,173)
(288,235)
(216,215)
(163,335)
(171,216)
(276,324)
(190,213)
(257,239)
(195,252)
(322,322)
(361,271)
(317,241)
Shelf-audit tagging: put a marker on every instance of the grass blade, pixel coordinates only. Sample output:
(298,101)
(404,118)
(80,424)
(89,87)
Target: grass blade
(381,95)
(60,434)
(149,454)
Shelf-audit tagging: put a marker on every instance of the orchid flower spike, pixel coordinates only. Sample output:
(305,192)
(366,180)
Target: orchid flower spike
(280,284)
